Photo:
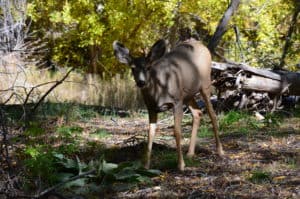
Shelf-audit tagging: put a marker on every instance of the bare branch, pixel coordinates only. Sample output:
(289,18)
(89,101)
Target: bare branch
(46,191)
(52,88)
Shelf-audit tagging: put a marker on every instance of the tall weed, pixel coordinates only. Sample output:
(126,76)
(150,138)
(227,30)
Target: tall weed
(89,89)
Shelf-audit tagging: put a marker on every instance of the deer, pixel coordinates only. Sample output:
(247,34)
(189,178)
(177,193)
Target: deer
(170,80)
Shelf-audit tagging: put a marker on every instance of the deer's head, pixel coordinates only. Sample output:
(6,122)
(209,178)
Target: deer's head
(140,65)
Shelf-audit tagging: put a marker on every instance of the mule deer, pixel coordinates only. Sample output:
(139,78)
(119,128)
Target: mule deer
(169,80)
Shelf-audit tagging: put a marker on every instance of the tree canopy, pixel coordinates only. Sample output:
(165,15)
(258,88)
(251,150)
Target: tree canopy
(81,32)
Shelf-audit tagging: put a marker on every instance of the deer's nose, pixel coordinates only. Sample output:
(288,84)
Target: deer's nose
(141,83)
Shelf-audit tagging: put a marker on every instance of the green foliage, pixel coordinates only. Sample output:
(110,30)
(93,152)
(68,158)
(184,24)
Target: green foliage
(34,130)
(69,135)
(52,166)
(297,111)
(204,131)
(40,163)
(68,132)
(230,118)
(192,162)
(81,32)
(106,176)
(259,177)
(239,121)
(101,133)
(69,111)
(164,159)
(291,162)
(272,120)
(126,174)
(86,29)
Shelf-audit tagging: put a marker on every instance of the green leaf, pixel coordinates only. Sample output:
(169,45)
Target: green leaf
(58,155)
(143,179)
(126,174)
(130,165)
(81,165)
(76,183)
(149,172)
(108,167)
(32,152)
(64,176)
(69,163)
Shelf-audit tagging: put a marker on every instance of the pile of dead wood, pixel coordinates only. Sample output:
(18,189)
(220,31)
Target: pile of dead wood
(240,86)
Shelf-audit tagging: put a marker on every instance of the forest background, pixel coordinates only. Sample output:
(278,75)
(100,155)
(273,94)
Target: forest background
(79,34)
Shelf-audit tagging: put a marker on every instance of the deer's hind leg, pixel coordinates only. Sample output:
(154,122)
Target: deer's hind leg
(205,92)
(196,113)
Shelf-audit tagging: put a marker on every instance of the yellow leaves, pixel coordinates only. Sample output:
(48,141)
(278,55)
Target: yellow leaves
(140,22)
(279,178)
(63,16)
(237,155)
(55,17)
(66,14)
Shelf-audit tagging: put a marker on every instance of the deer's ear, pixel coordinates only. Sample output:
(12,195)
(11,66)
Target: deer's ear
(158,50)
(122,53)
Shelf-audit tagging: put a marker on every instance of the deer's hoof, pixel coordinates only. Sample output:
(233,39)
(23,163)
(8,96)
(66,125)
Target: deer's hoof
(181,167)
(190,155)
(147,165)
(221,153)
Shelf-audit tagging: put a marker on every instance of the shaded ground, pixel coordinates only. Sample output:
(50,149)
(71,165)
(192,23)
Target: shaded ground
(261,164)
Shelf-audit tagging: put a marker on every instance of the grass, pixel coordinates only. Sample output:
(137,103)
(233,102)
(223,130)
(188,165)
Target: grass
(79,88)
(165,158)
(101,133)
(205,131)
(236,122)
(259,177)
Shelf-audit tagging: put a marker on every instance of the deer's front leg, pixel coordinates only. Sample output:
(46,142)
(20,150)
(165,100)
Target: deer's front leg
(178,114)
(151,134)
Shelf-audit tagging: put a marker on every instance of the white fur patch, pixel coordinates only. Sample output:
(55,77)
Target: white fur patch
(152,128)
(142,77)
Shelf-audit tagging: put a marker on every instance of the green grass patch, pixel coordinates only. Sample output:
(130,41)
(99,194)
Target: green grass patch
(168,160)
(191,162)
(164,159)
(39,163)
(204,132)
(239,122)
(70,111)
(259,177)
(101,133)
(297,111)
(34,129)
(69,131)
(291,162)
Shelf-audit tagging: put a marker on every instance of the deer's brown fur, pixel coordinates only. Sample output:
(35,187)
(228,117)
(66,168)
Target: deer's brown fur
(169,80)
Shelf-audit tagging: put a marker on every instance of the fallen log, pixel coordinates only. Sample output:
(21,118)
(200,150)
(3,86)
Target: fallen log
(254,88)
(253,82)
(256,79)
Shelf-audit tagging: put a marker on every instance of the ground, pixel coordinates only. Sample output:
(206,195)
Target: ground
(262,158)
(258,164)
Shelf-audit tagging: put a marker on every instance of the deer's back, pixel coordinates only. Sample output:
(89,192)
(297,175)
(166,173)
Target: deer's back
(180,74)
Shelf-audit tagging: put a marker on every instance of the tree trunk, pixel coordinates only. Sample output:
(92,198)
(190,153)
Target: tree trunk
(289,36)
(94,52)
(222,27)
